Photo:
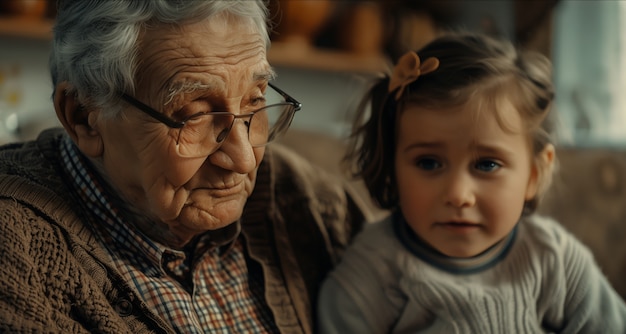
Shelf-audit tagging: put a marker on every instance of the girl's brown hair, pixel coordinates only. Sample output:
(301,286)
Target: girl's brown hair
(470,66)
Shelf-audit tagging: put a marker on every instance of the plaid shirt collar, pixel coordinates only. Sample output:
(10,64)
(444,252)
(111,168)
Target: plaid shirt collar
(211,291)
(124,239)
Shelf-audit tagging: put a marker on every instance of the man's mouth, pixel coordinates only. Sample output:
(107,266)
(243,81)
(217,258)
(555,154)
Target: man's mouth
(222,190)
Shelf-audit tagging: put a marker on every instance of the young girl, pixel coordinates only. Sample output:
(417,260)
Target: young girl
(457,147)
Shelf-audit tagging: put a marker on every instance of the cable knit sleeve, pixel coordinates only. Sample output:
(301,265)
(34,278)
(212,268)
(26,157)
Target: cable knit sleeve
(591,304)
(360,295)
(24,305)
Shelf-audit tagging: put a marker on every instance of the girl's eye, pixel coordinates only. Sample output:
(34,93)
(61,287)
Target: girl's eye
(487,165)
(428,164)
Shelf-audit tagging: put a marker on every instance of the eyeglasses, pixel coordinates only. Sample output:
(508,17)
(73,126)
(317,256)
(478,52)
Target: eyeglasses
(202,133)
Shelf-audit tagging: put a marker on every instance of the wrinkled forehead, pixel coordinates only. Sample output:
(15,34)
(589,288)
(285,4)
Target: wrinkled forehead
(217,51)
(209,30)
(218,21)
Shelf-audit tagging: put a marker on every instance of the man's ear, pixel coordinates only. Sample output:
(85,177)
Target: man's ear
(541,172)
(77,120)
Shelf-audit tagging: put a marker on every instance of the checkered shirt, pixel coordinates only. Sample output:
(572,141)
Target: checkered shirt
(198,290)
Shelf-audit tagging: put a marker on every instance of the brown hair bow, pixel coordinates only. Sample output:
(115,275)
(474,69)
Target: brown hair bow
(408,69)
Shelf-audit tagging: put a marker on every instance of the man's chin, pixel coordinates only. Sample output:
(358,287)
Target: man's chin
(202,218)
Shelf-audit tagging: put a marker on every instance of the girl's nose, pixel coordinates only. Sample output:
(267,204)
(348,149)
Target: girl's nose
(460,191)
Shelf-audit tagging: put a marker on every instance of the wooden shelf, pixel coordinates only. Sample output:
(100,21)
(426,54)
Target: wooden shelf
(30,28)
(307,57)
(280,53)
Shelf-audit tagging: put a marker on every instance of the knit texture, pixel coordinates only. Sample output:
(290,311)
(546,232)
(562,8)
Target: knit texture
(55,278)
(547,282)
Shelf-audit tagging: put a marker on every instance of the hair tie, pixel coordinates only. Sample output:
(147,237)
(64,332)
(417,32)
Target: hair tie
(408,69)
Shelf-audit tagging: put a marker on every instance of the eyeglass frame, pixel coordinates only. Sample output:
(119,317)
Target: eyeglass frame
(180,124)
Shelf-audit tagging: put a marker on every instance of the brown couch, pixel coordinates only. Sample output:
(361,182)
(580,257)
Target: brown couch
(588,195)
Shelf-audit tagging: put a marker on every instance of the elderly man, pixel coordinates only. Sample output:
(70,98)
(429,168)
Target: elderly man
(159,207)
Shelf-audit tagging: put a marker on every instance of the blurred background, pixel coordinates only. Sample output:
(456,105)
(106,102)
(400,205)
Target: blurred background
(326,51)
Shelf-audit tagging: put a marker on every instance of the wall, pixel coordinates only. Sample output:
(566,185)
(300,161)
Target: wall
(328,95)
(32,81)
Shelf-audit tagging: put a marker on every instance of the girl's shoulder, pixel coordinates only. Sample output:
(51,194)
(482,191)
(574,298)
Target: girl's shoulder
(380,232)
(544,229)
(375,245)
(546,235)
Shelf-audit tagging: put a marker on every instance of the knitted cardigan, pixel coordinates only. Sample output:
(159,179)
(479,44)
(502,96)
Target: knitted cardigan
(55,277)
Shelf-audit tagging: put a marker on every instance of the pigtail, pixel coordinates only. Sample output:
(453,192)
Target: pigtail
(372,143)
(536,70)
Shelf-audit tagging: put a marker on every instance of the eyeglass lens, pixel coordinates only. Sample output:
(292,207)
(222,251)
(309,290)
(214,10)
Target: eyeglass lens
(202,134)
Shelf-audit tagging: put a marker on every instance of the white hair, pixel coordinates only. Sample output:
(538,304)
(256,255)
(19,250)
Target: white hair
(95,41)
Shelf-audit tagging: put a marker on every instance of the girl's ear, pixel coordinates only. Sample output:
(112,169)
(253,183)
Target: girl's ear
(541,172)
(78,120)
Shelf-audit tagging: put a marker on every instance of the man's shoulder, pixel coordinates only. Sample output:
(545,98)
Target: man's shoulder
(289,165)
(31,164)
(301,175)
(21,156)
(293,178)
(31,186)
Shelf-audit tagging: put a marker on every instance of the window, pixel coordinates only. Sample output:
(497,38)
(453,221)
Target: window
(589,57)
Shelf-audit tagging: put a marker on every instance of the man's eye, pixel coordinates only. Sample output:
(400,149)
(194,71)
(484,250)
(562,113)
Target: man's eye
(257,101)
(428,164)
(487,165)
(182,116)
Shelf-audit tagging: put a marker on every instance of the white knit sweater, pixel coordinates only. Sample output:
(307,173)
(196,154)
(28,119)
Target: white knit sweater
(546,281)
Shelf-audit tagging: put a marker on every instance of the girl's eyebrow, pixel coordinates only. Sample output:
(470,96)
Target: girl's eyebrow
(424,144)
(486,148)
(493,149)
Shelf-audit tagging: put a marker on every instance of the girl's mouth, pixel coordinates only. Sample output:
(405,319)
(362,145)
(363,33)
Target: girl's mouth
(459,226)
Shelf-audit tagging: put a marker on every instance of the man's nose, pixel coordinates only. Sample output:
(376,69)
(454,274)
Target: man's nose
(235,152)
